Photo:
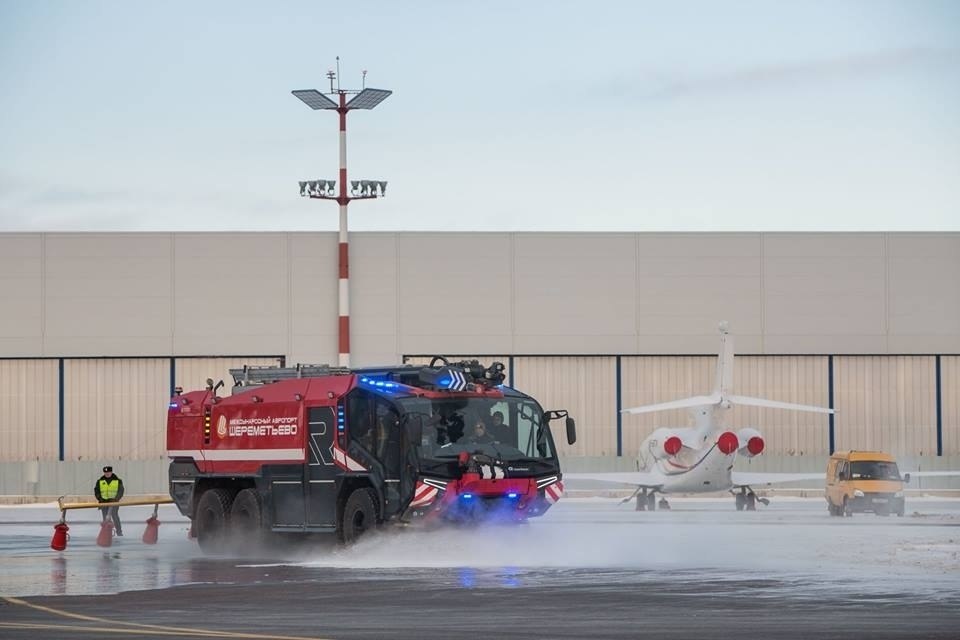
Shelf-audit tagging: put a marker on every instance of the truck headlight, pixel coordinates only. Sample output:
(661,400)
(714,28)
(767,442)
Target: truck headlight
(857,493)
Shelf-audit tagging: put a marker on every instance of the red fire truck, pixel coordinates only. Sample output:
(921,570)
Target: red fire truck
(327,449)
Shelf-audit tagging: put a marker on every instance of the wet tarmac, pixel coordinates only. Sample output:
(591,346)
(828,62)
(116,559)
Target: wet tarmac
(591,568)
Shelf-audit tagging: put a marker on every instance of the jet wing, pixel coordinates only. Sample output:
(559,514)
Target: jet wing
(633,478)
(741,479)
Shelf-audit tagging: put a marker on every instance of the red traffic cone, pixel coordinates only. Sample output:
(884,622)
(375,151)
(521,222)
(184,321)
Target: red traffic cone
(105,537)
(60,536)
(150,533)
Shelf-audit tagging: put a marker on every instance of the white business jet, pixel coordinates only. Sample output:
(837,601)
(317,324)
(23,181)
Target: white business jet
(700,459)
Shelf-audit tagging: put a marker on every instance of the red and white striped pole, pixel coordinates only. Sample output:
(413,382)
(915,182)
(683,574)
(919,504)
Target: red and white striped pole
(367,98)
(344,282)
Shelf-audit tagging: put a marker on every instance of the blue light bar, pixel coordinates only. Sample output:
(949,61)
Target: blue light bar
(467,496)
(380,384)
(173,405)
(513,494)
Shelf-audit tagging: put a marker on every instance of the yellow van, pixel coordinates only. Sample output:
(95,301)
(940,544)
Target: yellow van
(859,481)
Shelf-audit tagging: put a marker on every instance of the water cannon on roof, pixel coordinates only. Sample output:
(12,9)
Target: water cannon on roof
(461,376)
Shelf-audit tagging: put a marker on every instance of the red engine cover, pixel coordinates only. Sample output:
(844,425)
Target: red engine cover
(755,445)
(672,445)
(728,442)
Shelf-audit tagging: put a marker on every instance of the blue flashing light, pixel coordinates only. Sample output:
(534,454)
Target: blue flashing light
(513,494)
(467,496)
(445,382)
(173,405)
(381,385)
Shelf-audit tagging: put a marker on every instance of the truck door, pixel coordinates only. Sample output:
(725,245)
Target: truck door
(322,473)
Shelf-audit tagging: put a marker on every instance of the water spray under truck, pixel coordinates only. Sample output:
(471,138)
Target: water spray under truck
(313,449)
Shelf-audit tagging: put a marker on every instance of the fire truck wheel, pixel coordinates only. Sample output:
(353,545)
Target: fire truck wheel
(246,518)
(359,515)
(213,515)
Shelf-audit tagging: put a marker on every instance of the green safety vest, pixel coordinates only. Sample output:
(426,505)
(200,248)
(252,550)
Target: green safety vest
(109,489)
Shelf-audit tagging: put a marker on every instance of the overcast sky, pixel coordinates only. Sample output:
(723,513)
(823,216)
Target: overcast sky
(567,116)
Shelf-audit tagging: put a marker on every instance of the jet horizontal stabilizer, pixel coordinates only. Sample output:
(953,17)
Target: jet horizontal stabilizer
(775,404)
(686,403)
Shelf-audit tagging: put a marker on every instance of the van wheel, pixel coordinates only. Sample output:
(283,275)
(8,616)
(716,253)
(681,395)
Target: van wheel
(741,501)
(212,520)
(832,510)
(359,516)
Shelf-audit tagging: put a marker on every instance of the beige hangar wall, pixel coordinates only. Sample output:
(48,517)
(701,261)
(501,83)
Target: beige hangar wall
(562,306)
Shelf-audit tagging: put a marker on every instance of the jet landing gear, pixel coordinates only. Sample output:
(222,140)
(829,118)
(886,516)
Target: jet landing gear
(647,499)
(747,499)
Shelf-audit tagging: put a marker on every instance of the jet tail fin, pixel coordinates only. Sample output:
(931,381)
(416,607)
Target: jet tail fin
(775,404)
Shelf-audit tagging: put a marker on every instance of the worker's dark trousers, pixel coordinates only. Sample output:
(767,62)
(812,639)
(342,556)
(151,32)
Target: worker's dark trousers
(112,511)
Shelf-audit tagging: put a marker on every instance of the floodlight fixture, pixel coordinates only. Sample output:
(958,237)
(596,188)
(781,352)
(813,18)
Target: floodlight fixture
(303,188)
(383,187)
(354,185)
(314,99)
(368,98)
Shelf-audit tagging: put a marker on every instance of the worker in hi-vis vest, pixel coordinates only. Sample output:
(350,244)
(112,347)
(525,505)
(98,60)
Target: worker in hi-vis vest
(109,488)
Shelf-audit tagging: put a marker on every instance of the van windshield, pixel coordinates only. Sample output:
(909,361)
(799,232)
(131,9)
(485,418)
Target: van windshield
(871,470)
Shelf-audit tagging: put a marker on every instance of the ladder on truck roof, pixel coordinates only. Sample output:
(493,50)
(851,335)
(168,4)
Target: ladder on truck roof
(466,371)
(265,374)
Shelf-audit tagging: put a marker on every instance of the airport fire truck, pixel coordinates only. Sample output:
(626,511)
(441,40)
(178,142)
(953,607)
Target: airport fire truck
(316,448)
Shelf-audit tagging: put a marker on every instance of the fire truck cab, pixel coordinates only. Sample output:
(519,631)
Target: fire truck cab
(327,449)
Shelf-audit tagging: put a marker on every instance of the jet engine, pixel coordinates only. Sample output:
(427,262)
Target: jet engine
(751,442)
(728,442)
(672,446)
(662,444)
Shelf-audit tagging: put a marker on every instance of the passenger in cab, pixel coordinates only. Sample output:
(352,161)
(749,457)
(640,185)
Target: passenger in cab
(478,434)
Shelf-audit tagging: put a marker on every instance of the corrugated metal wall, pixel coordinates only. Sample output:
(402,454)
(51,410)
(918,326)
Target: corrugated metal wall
(796,379)
(886,403)
(654,379)
(116,408)
(883,402)
(192,373)
(950,391)
(586,387)
(29,407)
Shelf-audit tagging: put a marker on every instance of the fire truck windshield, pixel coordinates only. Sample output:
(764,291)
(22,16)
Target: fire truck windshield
(508,428)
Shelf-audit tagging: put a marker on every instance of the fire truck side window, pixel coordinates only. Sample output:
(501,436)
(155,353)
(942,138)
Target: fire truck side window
(388,438)
(360,418)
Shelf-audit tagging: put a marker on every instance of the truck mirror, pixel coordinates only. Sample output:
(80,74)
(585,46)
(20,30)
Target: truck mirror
(906,478)
(572,431)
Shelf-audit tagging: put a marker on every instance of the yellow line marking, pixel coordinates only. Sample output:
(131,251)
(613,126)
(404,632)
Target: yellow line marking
(78,629)
(160,629)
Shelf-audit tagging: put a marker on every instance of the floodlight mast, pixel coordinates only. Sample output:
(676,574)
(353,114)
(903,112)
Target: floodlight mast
(364,99)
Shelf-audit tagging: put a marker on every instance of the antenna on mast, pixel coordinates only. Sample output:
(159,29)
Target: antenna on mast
(363,83)
(338,74)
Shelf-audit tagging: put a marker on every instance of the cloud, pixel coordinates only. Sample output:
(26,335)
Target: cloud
(660,85)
